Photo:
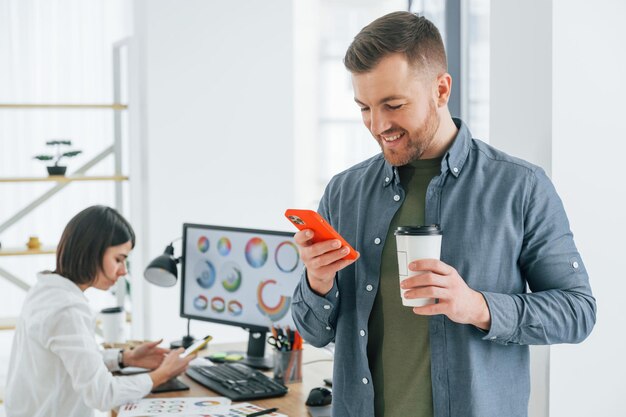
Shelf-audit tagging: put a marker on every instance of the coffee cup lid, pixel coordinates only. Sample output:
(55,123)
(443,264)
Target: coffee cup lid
(429,230)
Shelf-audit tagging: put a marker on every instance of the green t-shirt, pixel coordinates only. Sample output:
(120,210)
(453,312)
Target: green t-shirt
(398,346)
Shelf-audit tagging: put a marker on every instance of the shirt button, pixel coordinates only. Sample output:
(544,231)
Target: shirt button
(493,338)
(365,381)
(377,241)
(369,287)
(362,332)
(386,179)
(326,307)
(575,265)
(396,197)
(455,169)
(327,327)
(337,294)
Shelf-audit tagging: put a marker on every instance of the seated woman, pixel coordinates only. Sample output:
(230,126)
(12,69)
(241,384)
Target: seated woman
(56,366)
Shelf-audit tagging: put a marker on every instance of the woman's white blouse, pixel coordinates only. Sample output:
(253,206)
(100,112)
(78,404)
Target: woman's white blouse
(57,368)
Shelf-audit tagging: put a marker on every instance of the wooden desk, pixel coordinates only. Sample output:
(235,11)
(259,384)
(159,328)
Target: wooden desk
(292,404)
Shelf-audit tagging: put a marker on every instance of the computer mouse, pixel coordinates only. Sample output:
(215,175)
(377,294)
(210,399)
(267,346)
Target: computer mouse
(319,396)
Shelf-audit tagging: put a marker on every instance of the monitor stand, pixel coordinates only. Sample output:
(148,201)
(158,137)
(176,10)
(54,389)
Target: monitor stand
(255,357)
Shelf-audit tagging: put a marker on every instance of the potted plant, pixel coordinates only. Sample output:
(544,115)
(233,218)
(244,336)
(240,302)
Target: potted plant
(57,169)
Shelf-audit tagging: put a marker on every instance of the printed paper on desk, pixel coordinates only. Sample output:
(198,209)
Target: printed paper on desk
(243,409)
(176,407)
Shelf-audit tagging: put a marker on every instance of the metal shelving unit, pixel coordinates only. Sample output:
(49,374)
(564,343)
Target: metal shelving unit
(80,175)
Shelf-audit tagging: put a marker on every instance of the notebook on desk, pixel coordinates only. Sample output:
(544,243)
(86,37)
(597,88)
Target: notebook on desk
(173,384)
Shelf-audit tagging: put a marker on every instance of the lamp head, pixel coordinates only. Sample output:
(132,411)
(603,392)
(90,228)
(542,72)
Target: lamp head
(162,271)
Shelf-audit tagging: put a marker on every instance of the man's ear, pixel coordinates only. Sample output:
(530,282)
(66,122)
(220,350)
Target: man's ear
(444,89)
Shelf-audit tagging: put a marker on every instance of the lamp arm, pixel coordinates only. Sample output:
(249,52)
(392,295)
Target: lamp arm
(170,250)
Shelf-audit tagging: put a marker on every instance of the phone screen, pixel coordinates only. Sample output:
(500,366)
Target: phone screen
(196,346)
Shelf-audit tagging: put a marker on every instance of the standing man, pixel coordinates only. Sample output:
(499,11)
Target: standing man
(509,276)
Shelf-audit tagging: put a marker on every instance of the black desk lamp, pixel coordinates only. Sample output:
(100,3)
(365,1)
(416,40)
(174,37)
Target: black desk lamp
(163,272)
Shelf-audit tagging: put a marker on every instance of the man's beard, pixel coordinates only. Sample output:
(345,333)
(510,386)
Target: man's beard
(417,142)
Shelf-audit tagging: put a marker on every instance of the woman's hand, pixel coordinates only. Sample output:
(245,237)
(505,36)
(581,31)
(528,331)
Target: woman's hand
(172,366)
(147,355)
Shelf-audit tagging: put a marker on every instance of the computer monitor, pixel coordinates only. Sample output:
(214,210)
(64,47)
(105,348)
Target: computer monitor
(240,277)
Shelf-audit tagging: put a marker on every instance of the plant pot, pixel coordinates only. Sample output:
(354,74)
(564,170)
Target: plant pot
(56,170)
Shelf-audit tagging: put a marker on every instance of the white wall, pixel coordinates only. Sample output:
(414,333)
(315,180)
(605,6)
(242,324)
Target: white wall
(216,100)
(557,100)
(589,144)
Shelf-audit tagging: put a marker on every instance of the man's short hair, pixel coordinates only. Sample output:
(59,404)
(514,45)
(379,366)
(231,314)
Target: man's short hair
(399,32)
(85,239)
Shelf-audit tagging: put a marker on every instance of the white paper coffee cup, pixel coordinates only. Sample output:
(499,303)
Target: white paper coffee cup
(413,243)
(113,325)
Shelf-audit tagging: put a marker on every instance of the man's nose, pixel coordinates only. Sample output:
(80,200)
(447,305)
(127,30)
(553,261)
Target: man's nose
(378,123)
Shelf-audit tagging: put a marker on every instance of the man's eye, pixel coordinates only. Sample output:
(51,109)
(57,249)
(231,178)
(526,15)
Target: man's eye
(364,109)
(390,107)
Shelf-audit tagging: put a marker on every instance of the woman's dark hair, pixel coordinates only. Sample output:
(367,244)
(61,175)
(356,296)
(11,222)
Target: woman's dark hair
(85,239)
(399,32)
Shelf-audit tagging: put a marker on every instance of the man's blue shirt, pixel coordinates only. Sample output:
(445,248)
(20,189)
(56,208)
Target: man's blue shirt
(504,230)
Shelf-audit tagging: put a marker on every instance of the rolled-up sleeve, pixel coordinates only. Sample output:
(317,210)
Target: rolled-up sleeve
(560,307)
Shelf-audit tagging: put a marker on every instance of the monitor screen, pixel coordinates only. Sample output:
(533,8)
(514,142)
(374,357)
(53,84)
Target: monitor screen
(239,277)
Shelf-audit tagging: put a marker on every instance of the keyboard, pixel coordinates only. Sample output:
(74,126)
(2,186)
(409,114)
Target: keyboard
(236,381)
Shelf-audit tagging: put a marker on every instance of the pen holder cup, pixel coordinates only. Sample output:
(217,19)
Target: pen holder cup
(288,366)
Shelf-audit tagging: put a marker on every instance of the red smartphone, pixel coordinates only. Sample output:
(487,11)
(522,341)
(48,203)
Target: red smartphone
(309,219)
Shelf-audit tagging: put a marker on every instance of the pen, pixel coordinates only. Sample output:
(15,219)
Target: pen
(262,412)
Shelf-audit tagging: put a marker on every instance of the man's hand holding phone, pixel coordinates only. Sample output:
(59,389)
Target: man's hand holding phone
(322,250)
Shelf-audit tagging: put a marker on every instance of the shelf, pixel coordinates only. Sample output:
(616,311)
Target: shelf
(17,251)
(61,178)
(7,323)
(112,106)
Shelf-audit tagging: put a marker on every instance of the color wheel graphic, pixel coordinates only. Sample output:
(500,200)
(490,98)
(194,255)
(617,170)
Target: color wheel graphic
(200,302)
(277,311)
(207,403)
(218,305)
(230,275)
(205,274)
(256,252)
(286,256)
(203,244)
(234,307)
(224,246)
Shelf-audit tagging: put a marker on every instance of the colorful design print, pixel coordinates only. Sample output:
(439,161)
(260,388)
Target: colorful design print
(218,305)
(276,312)
(205,274)
(231,277)
(200,302)
(203,244)
(207,403)
(224,246)
(256,252)
(234,308)
(286,256)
